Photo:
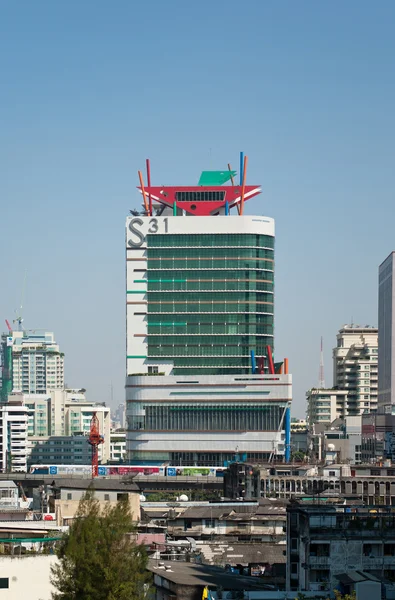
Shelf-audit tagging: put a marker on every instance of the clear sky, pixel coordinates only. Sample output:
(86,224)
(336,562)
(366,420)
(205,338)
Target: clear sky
(89,89)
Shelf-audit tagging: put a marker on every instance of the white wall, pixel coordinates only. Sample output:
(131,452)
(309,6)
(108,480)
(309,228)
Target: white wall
(29,577)
(142,390)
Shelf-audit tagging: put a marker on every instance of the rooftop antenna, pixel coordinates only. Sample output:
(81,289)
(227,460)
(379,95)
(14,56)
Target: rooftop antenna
(321,377)
(18,312)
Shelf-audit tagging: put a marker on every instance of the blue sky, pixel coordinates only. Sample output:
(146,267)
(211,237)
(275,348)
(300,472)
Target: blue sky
(89,89)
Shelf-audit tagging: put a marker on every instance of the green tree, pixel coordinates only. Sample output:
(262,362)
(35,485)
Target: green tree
(97,558)
(338,595)
(298,456)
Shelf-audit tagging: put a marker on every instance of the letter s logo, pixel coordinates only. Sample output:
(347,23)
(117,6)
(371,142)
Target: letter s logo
(135,243)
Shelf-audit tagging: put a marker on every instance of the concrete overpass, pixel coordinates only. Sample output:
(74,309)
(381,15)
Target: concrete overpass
(149,483)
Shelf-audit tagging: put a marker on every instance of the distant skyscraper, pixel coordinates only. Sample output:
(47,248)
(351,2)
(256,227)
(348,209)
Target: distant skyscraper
(386,395)
(120,415)
(32,363)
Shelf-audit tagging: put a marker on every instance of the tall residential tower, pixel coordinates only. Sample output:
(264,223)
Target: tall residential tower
(355,367)
(32,363)
(200,301)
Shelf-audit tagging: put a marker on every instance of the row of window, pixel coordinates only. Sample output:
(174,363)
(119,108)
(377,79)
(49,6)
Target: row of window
(230,274)
(210,263)
(213,319)
(197,286)
(211,296)
(224,329)
(200,240)
(209,307)
(209,252)
(210,351)
(207,340)
(208,418)
(219,364)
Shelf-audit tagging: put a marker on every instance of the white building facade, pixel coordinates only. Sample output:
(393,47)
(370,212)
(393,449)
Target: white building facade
(200,297)
(13,436)
(325,405)
(65,413)
(209,420)
(355,367)
(37,363)
(117,446)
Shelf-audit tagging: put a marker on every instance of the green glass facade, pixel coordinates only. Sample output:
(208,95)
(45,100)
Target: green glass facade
(210,300)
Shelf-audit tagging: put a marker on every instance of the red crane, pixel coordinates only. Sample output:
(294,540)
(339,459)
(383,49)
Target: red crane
(95,439)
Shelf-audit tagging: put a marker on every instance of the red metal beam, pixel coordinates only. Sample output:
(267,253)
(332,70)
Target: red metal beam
(270,360)
(149,185)
(143,192)
(243,185)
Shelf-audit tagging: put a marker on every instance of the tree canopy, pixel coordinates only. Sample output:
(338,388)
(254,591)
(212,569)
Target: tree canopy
(97,558)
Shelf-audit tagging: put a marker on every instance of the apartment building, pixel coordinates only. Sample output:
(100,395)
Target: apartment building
(326,542)
(355,367)
(32,363)
(13,436)
(65,413)
(325,405)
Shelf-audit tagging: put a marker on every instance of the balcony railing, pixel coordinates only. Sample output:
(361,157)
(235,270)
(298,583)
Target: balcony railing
(319,561)
(378,562)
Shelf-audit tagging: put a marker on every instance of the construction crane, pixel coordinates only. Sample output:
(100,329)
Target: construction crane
(94,440)
(18,312)
(6,363)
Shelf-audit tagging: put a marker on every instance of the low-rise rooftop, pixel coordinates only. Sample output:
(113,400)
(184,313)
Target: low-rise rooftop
(190,574)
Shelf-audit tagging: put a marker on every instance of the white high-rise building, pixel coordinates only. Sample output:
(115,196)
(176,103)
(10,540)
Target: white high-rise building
(37,363)
(13,435)
(200,384)
(355,367)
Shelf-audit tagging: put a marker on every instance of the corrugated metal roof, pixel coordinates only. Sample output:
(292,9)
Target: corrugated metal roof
(190,574)
(355,577)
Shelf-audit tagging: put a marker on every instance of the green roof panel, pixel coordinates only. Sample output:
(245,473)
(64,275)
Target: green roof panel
(208,178)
